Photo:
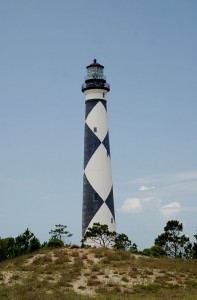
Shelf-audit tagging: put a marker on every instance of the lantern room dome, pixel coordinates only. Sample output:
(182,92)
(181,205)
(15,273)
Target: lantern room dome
(95,64)
(95,78)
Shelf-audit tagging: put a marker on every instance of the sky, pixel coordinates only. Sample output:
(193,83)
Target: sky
(148,49)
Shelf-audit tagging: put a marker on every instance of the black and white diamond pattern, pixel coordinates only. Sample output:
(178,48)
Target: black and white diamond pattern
(98,202)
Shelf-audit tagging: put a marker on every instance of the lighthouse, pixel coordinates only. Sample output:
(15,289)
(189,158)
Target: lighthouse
(98,200)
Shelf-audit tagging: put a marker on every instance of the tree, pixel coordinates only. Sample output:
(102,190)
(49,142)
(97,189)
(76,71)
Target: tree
(60,232)
(22,242)
(171,240)
(155,251)
(55,243)
(100,235)
(194,248)
(133,248)
(6,248)
(122,242)
(34,244)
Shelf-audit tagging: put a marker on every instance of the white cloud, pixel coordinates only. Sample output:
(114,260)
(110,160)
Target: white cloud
(146,188)
(136,205)
(168,187)
(171,209)
(131,205)
(153,205)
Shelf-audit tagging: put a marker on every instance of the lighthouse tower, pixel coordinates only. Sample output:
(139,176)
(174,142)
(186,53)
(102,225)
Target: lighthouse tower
(98,201)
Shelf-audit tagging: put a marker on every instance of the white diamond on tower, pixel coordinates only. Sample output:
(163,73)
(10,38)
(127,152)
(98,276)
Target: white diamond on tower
(97,121)
(98,172)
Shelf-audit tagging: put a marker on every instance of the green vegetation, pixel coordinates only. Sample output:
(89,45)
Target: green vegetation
(55,243)
(22,244)
(194,248)
(175,244)
(60,232)
(100,235)
(27,242)
(155,250)
(122,242)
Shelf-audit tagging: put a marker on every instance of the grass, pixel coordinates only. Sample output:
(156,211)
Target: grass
(95,274)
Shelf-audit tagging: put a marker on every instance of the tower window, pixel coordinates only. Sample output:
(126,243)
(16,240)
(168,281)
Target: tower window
(103,95)
(95,129)
(94,196)
(111,220)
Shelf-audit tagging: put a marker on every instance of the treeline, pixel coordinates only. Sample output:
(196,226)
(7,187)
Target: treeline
(172,242)
(24,243)
(27,242)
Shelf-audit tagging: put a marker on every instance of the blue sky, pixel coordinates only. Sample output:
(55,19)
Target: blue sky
(149,51)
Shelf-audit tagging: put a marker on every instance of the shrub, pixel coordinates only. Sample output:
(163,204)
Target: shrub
(34,244)
(155,251)
(55,243)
